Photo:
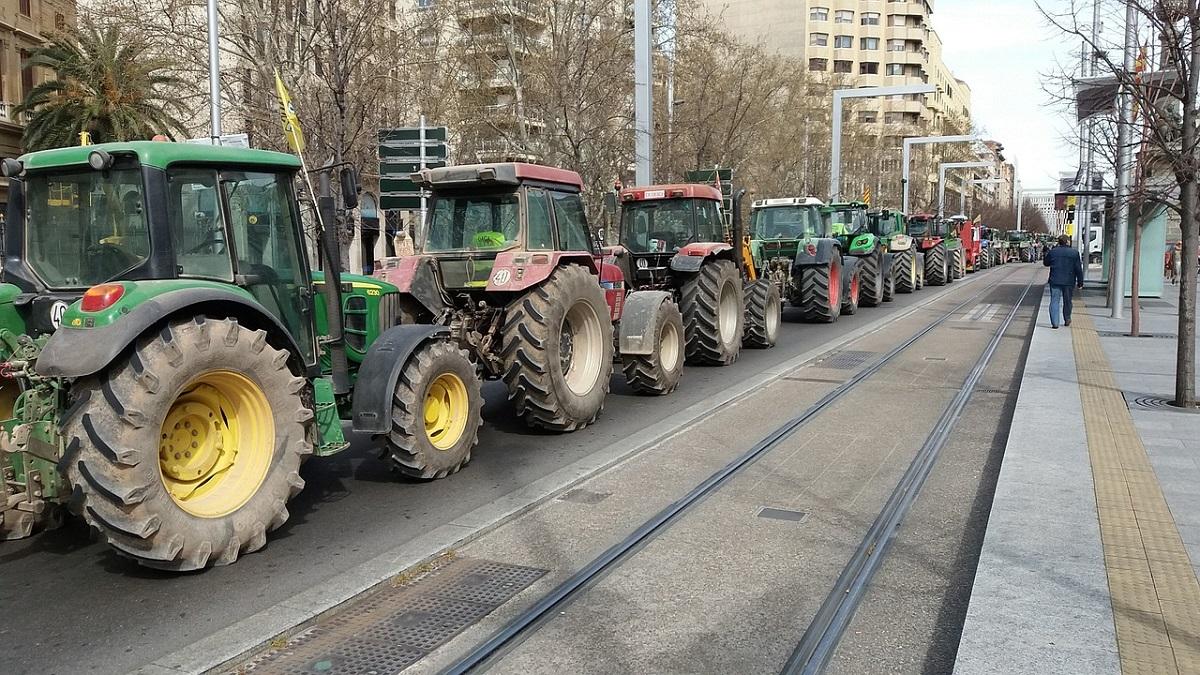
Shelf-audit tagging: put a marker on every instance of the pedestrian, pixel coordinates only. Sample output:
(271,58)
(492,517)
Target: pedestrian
(1066,273)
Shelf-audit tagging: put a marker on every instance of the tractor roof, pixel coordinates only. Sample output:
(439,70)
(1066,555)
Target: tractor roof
(922,216)
(848,205)
(672,191)
(787,201)
(160,154)
(505,173)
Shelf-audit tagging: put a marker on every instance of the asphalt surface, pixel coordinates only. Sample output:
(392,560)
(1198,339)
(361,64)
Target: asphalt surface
(70,605)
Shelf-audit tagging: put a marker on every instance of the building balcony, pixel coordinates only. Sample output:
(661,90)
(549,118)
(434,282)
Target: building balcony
(507,115)
(503,12)
(504,42)
(918,33)
(501,150)
(916,8)
(908,58)
(8,116)
(903,106)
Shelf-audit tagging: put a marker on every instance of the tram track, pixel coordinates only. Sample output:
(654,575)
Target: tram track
(524,624)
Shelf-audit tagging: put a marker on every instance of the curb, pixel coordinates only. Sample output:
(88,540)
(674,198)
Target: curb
(248,634)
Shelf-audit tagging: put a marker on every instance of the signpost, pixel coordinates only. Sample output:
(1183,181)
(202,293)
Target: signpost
(403,152)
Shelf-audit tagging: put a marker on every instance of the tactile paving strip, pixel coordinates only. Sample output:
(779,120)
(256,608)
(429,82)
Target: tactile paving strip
(392,628)
(1153,585)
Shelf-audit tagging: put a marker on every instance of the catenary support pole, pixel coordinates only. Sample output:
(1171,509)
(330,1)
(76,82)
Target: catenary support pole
(642,94)
(214,73)
(1116,284)
(906,158)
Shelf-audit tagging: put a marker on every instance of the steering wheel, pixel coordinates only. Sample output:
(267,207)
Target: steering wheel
(109,259)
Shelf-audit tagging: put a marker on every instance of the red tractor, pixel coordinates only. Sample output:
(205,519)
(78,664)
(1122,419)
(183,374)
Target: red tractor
(969,232)
(673,239)
(506,284)
(938,240)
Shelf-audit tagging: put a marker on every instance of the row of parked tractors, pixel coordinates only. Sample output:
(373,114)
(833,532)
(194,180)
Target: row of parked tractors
(170,359)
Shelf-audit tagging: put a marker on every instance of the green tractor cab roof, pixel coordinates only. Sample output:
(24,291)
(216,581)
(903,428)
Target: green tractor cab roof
(160,154)
(786,201)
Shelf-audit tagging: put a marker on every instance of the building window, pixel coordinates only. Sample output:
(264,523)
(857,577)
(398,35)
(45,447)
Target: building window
(867,117)
(843,66)
(870,18)
(897,20)
(868,68)
(819,14)
(818,39)
(26,75)
(425,4)
(868,43)
(895,45)
(60,22)
(893,118)
(23,7)
(895,69)
(843,41)
(818,64)
(843,16)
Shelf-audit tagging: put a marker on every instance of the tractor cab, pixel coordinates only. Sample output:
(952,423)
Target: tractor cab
(788,219)
(926,226)
(127,219)
(846,219)
(660,221)
(885,223)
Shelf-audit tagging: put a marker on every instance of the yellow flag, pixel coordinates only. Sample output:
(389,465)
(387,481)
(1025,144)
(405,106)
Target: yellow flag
(287,112)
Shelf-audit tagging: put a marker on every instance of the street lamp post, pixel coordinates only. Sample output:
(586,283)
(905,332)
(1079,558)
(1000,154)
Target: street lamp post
(642,83)
(835,163)
(906,159)
(214,74)
(942,179)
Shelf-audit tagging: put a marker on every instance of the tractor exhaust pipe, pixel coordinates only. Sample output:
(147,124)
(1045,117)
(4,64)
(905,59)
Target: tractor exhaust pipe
(739,233)
(331,290)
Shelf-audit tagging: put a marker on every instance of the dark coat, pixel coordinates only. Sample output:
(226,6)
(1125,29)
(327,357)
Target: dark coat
(1066,268)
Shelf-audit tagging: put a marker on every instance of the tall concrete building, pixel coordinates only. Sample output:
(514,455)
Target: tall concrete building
(868,42)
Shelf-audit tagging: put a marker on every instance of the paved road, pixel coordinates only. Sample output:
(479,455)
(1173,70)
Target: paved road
(72,606)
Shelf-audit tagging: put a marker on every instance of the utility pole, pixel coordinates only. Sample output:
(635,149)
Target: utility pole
(214,74)
(1116,285)
(642,94)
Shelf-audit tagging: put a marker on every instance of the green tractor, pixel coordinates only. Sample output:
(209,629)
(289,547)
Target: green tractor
(851,224)
(792,245)
(1021,245)
(908,264)
(937,239)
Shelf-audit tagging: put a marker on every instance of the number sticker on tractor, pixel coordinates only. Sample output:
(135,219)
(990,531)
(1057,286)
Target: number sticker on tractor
(501,277)
(56,313)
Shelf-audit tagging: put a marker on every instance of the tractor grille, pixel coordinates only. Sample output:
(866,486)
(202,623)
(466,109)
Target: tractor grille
(354,318)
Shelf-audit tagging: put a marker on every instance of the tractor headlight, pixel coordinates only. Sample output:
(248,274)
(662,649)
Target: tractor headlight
(100,160)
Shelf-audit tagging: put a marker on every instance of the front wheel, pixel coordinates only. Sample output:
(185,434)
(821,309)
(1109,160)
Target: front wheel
(186,452)
(852,296)
(821,291)
(764,311)
(906,267)
(889,287)
(872,281)
(436,413)
(658,373)
(558,351)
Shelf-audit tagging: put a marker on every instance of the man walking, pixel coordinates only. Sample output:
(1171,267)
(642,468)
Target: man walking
(1066,273)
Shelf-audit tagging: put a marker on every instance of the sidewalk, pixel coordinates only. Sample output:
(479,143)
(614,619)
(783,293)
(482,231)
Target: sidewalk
(1088,565)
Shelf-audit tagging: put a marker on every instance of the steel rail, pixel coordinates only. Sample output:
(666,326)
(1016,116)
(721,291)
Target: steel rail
(513,632)
(823,634)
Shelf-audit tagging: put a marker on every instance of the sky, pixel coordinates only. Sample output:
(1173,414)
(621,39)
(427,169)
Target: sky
(1003,49)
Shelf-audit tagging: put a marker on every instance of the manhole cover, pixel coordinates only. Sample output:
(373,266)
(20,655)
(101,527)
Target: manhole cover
(846,360)
(1155,303)
(1119,333)
(1152,402)
(935,358)
(782,514)
(391,628)
(582,496)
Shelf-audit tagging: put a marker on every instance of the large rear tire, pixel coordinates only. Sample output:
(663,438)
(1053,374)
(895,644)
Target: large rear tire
(435,413)
(936,267)
(558,351)
(906,269)
(870,270)
(713,314)
(186,451)
(852,297)
(658,374)
(821,291)
(764,312)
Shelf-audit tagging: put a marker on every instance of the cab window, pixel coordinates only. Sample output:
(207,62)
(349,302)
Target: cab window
(540,230)
(198,225)
(709,227)
(573,233)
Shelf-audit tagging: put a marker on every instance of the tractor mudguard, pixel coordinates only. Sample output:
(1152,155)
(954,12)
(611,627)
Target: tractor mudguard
(823,255)
(76,350)
(517,271)
(371,411)
(417,277)
(638,321)
(692,257)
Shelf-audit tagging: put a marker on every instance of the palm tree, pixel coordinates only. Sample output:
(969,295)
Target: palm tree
(103,84)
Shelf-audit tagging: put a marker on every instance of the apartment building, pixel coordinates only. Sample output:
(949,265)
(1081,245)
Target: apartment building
(865,42)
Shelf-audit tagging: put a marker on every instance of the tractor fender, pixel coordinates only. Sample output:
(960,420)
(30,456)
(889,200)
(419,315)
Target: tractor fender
(823,255)
(849,267)
(519,270)
(692,257)
(638,321)
(380,371)
(79,352)
(417,277)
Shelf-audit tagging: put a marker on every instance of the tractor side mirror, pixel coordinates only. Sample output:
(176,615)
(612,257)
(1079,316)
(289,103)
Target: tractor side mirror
(348,178)
(610,202)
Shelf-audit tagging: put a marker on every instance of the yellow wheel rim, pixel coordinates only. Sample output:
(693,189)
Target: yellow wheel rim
(446,410)
(216,444)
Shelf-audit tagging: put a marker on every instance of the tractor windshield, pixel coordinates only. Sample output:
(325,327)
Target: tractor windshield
(926,227)
(666,225)
(474,222)
(787,222)
(1016,236)
(879,224)
(846,221)
(84,228)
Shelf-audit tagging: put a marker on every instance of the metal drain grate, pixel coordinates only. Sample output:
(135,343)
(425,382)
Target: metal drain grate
(1118,333)
(782,514)
(1156,403)
(582,496)
(1155,303)
(394,627)
(845,360)
(935,358)
(966,328)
